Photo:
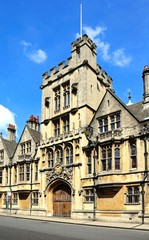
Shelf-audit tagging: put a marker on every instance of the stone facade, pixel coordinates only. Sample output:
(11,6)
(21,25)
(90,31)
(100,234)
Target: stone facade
(91,159)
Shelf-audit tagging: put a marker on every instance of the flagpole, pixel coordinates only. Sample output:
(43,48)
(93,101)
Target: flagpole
(81,18)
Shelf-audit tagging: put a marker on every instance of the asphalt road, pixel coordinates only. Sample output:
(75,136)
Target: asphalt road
(24,229)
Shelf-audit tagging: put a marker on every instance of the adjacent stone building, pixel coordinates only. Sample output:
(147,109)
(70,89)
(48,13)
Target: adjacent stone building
(90,160)
(19,184)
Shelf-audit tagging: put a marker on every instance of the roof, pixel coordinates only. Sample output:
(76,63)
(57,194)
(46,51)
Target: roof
(139,111)
(10,147)
(35,134)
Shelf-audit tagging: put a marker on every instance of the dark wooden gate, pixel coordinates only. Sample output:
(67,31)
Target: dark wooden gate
(62,201)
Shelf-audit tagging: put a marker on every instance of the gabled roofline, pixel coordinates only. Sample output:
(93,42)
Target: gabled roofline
(124,105)
(9,154)
(118,99)
(26,126)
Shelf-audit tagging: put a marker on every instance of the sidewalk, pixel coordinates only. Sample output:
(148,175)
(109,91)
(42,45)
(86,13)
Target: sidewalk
(131,226)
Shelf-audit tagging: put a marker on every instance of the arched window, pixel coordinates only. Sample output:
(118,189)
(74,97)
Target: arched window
(59,155)
(66,94)
(133,156)
(117,158)
(69,154)
(57,99)
(50,158)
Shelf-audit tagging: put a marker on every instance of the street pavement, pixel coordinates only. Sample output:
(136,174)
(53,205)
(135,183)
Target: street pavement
(122,225)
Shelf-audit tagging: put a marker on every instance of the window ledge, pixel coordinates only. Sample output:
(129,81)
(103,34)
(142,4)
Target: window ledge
(132,169)
(132,203)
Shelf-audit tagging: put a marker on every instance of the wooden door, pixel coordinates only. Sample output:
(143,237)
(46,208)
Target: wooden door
(62,201)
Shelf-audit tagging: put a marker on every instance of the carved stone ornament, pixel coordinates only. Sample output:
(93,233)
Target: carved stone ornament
(59,171)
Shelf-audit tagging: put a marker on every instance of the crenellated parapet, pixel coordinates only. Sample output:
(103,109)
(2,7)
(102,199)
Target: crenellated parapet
(104,77)
(81,41)
(83,54)
(56,71)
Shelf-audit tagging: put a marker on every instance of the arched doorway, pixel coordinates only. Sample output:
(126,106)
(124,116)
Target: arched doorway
(62,201)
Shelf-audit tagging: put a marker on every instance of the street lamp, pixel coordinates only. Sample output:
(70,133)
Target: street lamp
(93,144)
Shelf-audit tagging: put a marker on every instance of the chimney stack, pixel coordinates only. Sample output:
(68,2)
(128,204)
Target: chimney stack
(11,132)
(145,76)
(33,123)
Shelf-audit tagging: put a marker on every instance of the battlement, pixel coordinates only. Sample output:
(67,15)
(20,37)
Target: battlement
(77,45)
(81,41)
(56,71)
(103,76)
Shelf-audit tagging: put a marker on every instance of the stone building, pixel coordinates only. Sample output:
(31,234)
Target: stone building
(19,184)
(71,94)
(7,148)
(91,159)
(94,151)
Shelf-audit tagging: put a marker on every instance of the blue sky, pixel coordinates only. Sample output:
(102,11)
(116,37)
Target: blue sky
(37,35)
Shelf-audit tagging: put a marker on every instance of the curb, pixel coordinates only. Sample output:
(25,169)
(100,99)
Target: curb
(91,224)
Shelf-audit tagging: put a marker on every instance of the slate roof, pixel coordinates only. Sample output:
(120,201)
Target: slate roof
(139,111)
(10,147)
(35,134)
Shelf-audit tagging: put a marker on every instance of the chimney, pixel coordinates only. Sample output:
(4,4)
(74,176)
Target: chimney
(11,132)
(33,123)
(145,76)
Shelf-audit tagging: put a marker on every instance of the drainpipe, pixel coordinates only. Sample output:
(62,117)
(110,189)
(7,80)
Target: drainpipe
(93,144)
(144,132)
(10,166)
(31,187)
(31,182)
(143,193)
(94,182)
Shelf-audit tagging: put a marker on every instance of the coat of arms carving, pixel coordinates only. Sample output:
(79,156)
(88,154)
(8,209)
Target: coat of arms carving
(59,171)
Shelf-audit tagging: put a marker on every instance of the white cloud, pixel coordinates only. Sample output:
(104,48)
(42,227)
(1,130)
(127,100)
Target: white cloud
(117,57)
(25,44)
(93,33)
(6,117)
(37,56)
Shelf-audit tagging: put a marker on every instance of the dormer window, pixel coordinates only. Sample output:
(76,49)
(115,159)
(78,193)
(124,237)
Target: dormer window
(25,147)
(108,123)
